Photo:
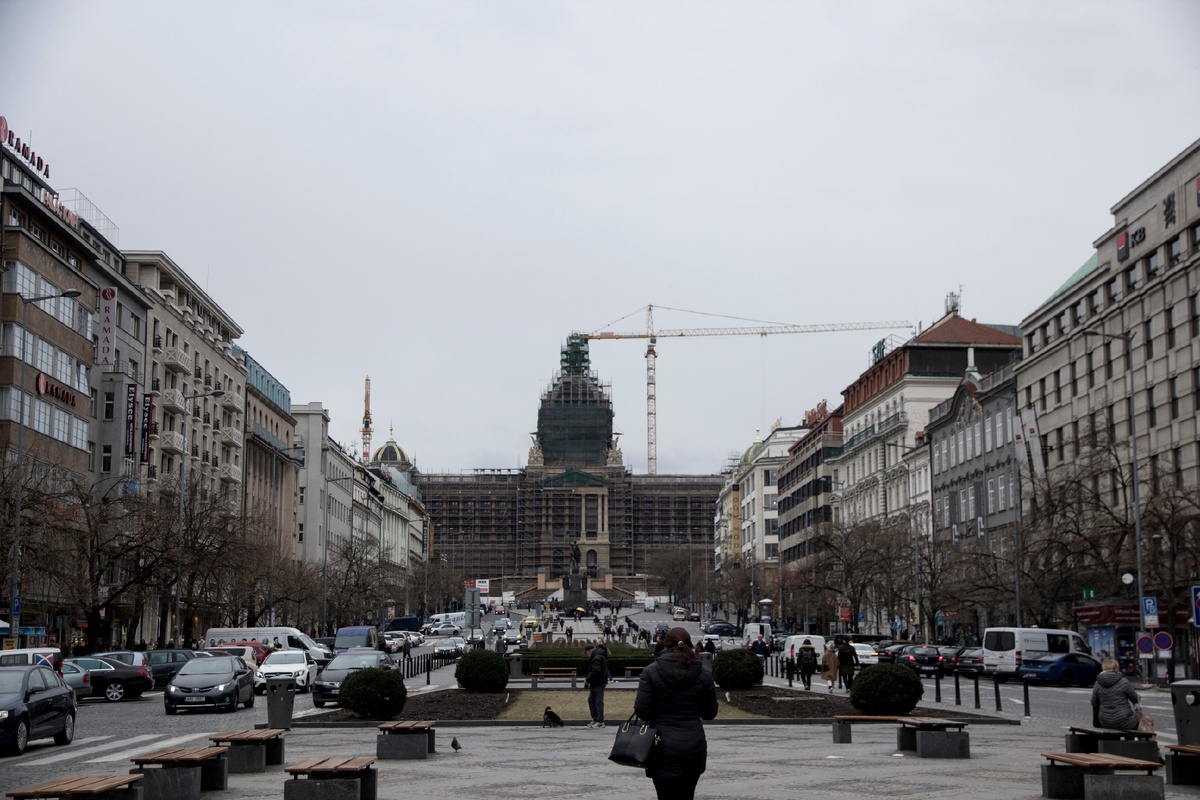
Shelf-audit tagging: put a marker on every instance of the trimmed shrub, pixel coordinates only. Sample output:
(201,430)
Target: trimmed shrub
(482,671)
(886,689)
(737,669)
(373,693)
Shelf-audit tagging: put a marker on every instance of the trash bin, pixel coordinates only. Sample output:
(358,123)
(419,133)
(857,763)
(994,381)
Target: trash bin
(706,661)
(1185,702)
(281,696)
(514,665)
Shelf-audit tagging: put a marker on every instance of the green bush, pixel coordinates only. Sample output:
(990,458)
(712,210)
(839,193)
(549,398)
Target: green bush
(482,671)
(886,689)
(373,693)
(737,669)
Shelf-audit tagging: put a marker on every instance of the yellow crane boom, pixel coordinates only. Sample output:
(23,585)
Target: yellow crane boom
(759,330)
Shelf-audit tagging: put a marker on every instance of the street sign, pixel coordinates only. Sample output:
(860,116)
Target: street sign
(1145,646)
(1163,640)
(1089,594)
(1150,611)
(1196,606)
(16,607)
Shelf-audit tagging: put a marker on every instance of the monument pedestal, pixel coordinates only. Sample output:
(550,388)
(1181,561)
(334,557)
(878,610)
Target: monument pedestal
(574,592)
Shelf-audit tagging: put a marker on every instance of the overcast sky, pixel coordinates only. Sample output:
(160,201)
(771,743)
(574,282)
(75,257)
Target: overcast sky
(436,194)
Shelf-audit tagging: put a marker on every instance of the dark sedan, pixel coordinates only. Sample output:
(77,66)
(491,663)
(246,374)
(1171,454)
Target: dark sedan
(1065,669)
(891,653)
(219,682)
(966,660)
(35,703)
(722,629)
(165,663)
(114,680)
(329,681)
(924,659)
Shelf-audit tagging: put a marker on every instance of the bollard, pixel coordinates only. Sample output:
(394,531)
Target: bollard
(1025,685)
(429,669)
(957,691)
(996,684)
(975,677)
(937,687)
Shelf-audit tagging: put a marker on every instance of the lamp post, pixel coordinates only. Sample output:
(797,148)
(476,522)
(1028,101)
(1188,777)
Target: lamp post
(275,453)
(325,559)
(14,596)
(177,632)
(1137,502)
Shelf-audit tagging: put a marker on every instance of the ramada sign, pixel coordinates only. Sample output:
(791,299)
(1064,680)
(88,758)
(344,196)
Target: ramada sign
(22,149)
(49,388)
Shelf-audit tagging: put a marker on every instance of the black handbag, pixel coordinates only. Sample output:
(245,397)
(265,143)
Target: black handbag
(636,745)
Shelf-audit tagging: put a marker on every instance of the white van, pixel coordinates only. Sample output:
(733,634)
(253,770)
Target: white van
(650,604)
(794,643)
(751,630)
(1004,648)
(291,638)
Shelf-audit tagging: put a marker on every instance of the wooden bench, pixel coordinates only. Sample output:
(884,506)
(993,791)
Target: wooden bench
(634,671)
(1183,764)
(337,776)
(98,787)
(1082,774)
(1131,744)
(252,750)
(402,740)
(933,738)
(184,772)
(843,722)
(554,673)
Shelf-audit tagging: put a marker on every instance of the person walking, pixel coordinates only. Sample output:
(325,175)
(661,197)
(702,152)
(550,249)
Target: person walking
(806,661)
(1113,699)
(760,647)
(829,666)
(847,662)
(790,667)
(596,682)
(674,695)
(570,633)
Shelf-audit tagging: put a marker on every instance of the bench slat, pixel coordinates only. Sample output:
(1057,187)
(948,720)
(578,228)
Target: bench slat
(254,736)
(179,755)
(1101,761)
(860,718)
(320,766)
(1186,749)
(1111,733)
(81,785)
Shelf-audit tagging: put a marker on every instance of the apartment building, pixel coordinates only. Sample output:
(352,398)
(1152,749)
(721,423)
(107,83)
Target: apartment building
(807,482)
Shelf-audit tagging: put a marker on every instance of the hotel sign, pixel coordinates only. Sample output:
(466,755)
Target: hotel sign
(49,388)
(106,346)
(23,150)
(816,416)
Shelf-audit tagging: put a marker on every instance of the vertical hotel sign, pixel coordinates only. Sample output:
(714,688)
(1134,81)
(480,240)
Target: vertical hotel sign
(147,416)
(131,419)
(107,343)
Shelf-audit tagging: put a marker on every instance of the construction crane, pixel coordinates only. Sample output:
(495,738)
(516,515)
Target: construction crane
(652,356)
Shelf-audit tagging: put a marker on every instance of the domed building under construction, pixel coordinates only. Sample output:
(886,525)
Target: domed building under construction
(516,526)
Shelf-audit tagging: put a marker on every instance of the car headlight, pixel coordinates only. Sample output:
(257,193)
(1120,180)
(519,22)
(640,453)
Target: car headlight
(299,673)
(4,714)
(224,687)
(172,688)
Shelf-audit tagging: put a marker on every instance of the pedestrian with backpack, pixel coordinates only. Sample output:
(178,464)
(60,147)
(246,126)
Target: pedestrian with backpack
(806,661)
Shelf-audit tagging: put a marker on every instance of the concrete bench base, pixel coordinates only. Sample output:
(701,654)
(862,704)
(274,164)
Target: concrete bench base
(1143,749)
(214,774)
(1123,787)
(322,789)
(169,783)
(244,758)
(943,744)
(393,746)
(124,793)
(841,732)
(1183,769)
(1079,743)
(1062,780)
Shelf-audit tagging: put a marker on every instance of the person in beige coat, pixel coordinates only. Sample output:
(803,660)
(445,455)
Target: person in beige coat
(829,666)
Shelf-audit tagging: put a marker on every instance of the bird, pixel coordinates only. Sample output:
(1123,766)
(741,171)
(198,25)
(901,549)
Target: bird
(454,745)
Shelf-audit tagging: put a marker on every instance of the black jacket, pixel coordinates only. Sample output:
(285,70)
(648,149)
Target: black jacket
(675,697)
(1112,697)
(597,674)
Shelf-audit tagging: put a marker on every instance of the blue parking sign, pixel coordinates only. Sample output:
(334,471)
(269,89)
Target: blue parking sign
(1196,606)
(1150,606)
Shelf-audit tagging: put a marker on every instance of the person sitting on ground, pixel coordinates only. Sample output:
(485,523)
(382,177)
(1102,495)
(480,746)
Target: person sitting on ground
(1113,699)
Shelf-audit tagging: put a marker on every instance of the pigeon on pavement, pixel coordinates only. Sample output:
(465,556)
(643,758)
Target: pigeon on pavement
(454,745)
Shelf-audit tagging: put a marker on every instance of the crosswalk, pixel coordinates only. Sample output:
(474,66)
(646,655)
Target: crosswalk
(103,749)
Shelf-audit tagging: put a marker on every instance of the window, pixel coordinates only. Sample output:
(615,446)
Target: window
(1151,411)
(1131,278)
(1175,249)
(1093,303)
(1057,389)
(978,438)
(1108,365)
(300,532)
(1042,393)
(109,404)
(1195,316)
(1074,380)
(1153,262)
(1112,292)
(301,495)
(991,497)
(971,502)
(1000,492)
(106,459)
(1148,338)
(1173,388)
(987,434)
(1170,327)
(1091,370)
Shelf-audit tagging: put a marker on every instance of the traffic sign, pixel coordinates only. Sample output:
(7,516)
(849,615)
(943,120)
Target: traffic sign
(16,606)
(1196,606)
(1150,612)
(1145,646)
(1163,640)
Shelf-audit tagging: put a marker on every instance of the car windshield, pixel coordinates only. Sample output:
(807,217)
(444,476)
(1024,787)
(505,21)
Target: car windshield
(285,657)
(10,680)
(346,661)
(207,666)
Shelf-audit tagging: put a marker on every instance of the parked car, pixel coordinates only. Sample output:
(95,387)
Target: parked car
(393,641)
(891,653)
(295,664)
(251,651)
(35,703)
(134,658)
(165,663)
(722,629)
(867,655)
(693,616)
(78,678)
(415,638)
(1065,669)
(446,629)
(967,660)
(711,637)
(115,680)
(923,659)
(220,682)
(329,681)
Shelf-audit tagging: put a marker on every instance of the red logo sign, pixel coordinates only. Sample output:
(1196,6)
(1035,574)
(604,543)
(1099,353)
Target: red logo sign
(61,393)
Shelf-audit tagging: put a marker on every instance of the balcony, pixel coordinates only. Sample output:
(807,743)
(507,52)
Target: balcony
(216,462)
(206,457)
(154,430)
(196,414)
(198,373)
(230,473)
(171,442)
(156,385)
(208,381)
(196,452)
(232,437)
(207,418)
(177,360)
(233,400)
(172,400)
(158,343)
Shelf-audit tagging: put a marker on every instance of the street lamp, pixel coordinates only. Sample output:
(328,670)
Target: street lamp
(178,628)
(1137,502)
(14,596)
(325,560)
(275,452)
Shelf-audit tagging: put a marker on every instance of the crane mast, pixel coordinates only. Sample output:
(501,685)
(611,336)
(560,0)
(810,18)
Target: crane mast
(652,356)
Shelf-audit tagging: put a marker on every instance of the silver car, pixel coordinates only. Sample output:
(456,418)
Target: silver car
(78,678)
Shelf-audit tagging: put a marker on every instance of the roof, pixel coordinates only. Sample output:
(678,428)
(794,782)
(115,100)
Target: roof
(1087,268)
(953,329)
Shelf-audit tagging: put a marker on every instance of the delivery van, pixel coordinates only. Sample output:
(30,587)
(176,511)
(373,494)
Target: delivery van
(751,631)
(792,644)
(358,636)
(1005,648)
(290,638)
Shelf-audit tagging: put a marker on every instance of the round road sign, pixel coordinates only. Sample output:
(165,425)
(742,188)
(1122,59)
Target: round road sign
(1145,644)
(1163,640)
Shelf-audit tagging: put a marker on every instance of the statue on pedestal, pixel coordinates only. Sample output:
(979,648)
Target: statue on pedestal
(574,558)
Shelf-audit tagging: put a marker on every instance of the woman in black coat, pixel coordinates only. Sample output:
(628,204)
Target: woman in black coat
(674,694)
